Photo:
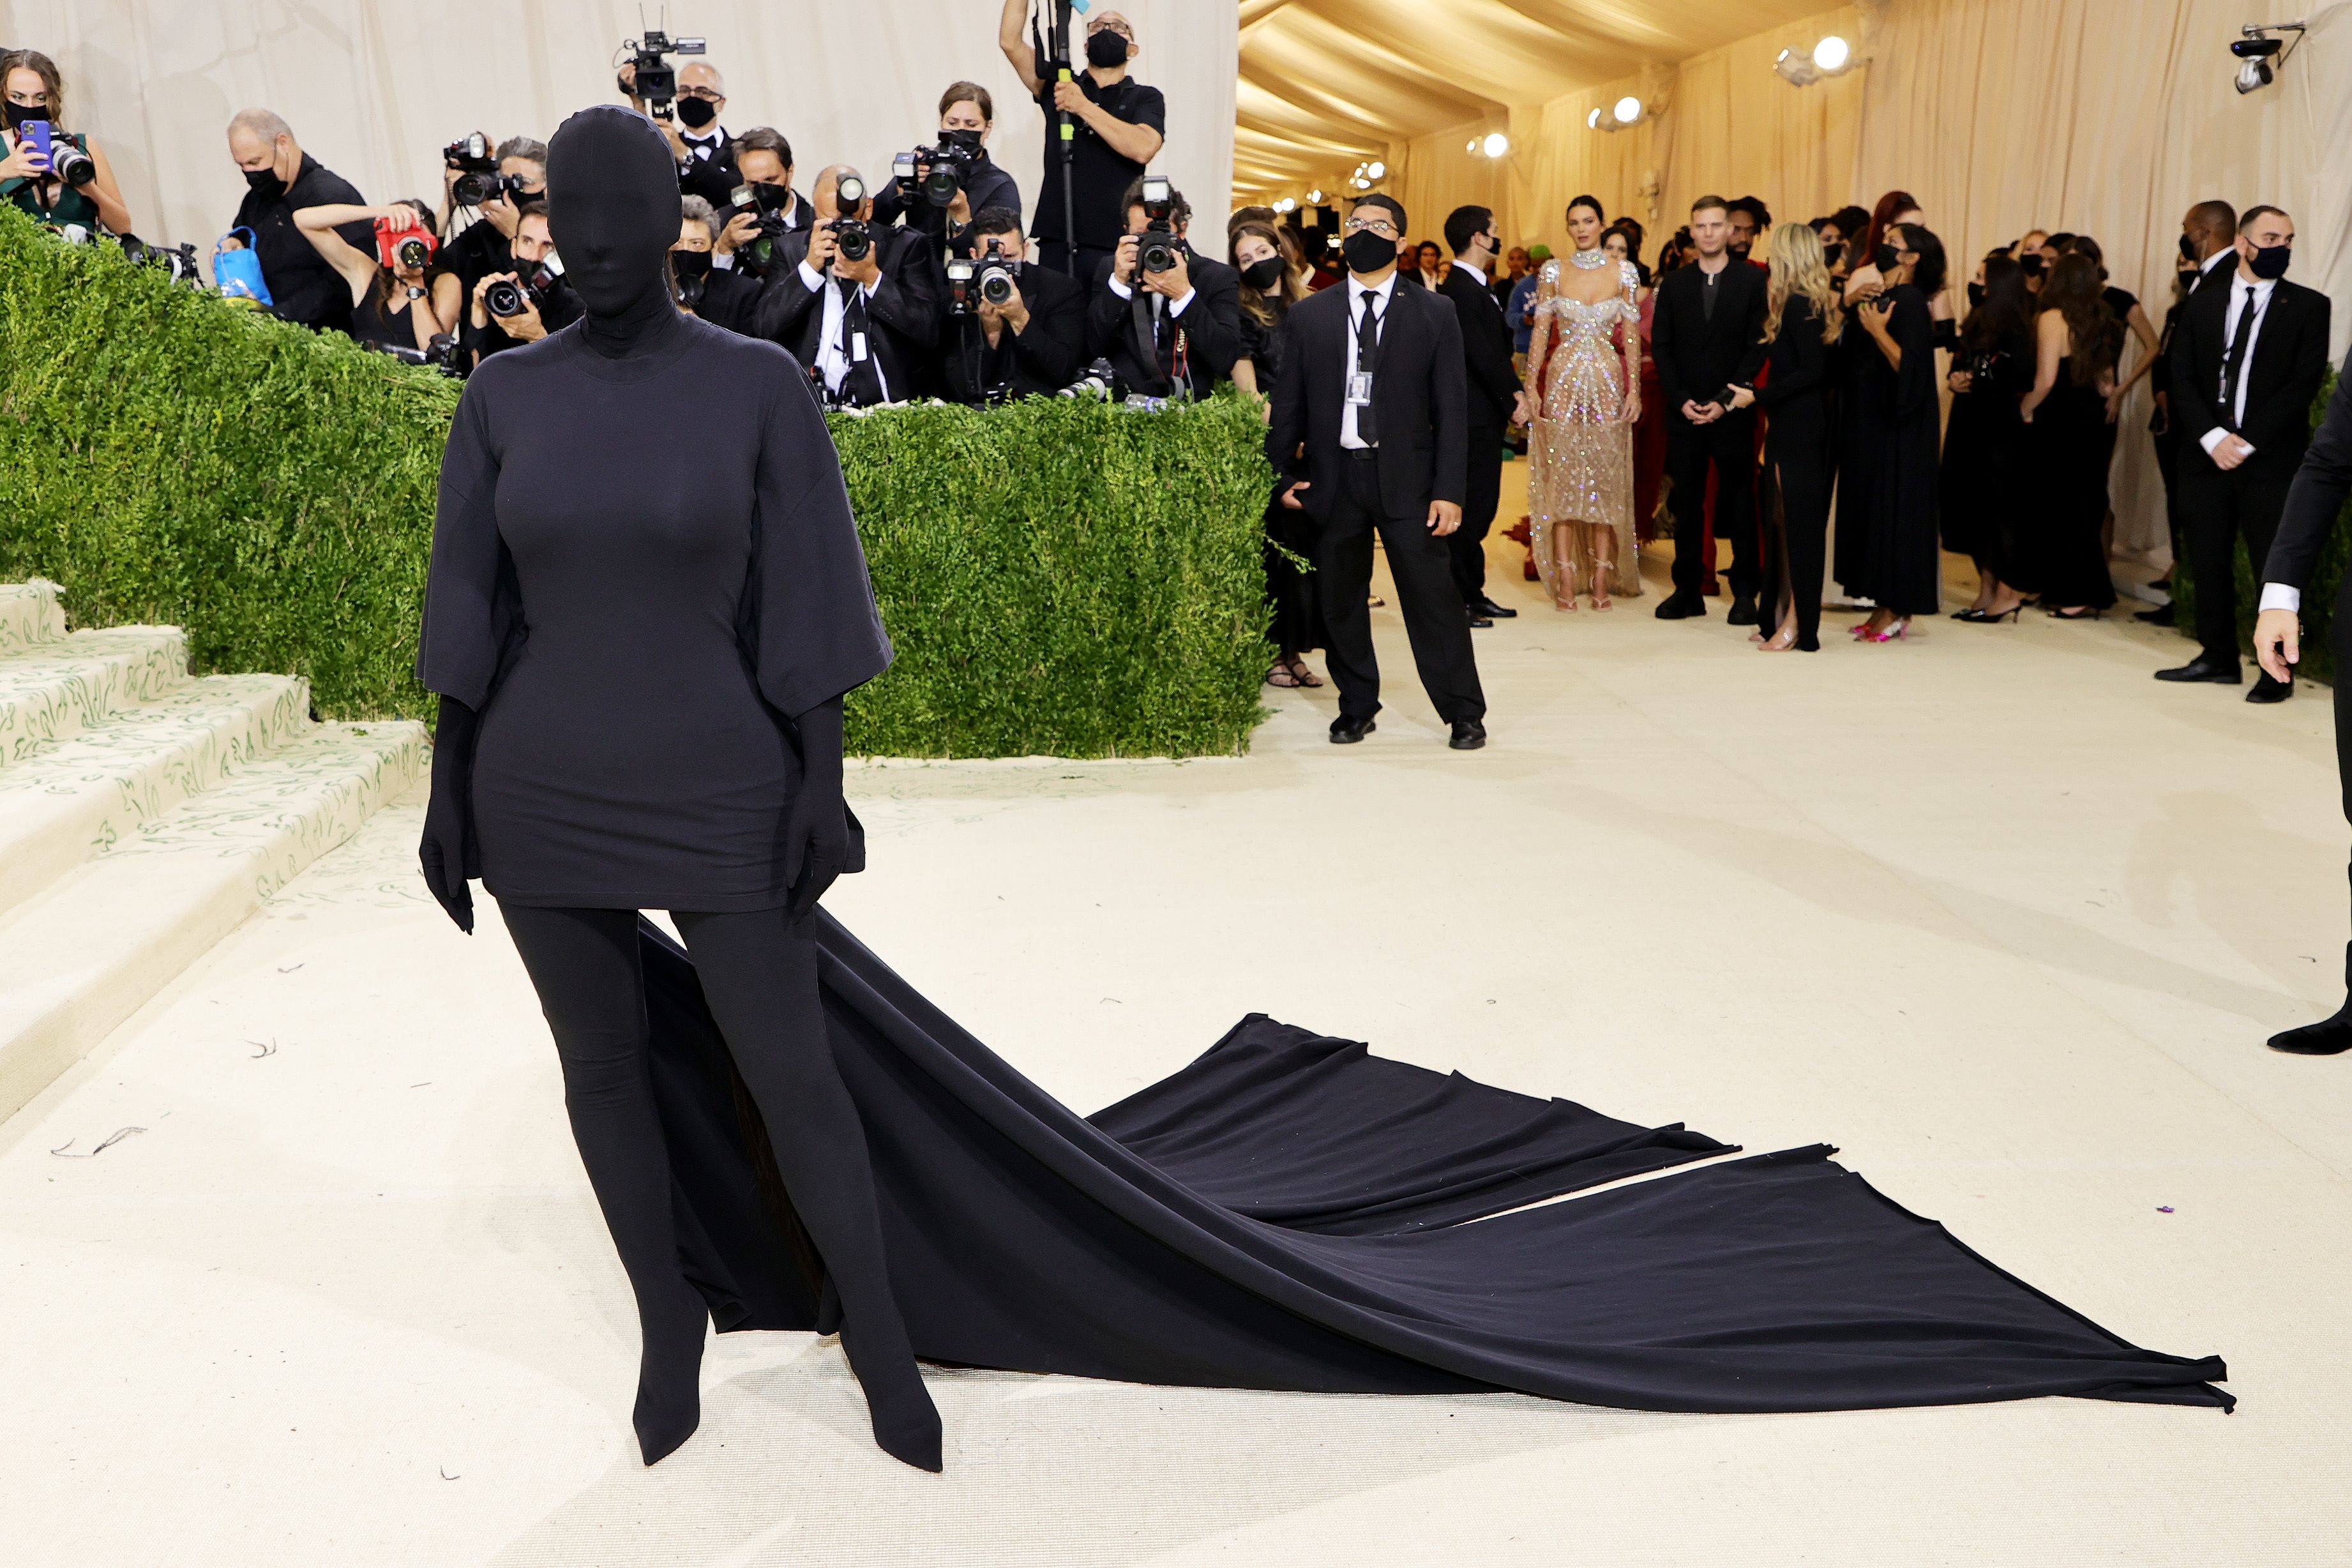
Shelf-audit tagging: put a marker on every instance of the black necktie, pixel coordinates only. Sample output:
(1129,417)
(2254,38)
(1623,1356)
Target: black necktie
(1368,342)
(2233,363)
(861,387)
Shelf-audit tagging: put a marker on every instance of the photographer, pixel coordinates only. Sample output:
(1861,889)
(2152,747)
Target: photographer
(73,184)
(1027,346)
(967,115)
(392,305)
(748,235)
(485,246)
(1171,329)
(707,155)
(723,298)
(546,303)
(280,180)
(852,300)
(1120,123)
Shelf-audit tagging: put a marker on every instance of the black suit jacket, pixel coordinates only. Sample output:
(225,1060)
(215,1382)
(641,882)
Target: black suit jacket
(714,178)
(1038,362)
(2317,498)
(1487,344)
(2281,374)
(903,313)
(1698,357)
(1211,325)
(1419,397)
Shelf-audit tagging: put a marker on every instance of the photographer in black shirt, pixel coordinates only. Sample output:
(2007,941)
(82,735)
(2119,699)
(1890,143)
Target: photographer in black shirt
(767,209)
(486,245)
(281,179)
(854,301)
(721,298)
(1025,346)
(967,115)
(1167,331)
(1120,125)
(543,302)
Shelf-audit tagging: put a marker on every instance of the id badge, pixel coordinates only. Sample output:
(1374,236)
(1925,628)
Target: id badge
(1359,387)
(858,348)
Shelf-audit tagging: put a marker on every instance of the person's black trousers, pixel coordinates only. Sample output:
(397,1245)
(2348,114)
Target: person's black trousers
(759,973)
(2216,507)
(2167,464)
(1426,595)
(1796,535)
(1482,493)
(1729,446)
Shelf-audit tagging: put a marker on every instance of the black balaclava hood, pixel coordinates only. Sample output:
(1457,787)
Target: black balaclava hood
(612,211)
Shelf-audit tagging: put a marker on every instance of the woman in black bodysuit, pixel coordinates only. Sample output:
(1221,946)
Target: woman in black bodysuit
(641,684)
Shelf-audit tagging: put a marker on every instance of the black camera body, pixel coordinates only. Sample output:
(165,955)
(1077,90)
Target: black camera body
(1099,380)
(507,297)
(766,204)
(994,281)
(1157,248)
(851,236)
(441,355)
(656,79)
(476,170)
(178,262)
(948,167)
(70,164)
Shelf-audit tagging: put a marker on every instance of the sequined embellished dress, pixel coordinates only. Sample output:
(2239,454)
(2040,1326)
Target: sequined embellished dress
(1583,447)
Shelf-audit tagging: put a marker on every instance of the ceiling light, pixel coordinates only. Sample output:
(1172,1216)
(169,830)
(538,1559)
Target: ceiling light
(1627,109)
(1833,54)
(1593,119)
(1376,170)
(1794,69)
(1497,144)
(1315,198)
(1474,146)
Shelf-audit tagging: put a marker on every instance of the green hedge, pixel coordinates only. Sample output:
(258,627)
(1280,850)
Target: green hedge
(1059,577)
(2318,598)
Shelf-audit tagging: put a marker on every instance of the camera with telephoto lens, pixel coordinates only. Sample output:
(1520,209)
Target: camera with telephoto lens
(948,167)
(1155,247)
(442,354)
(850,235)
(766,203)
(476,170)
(656,79)
(1100,382)
(507,297)
(178,262)
(70,164)
(994,281)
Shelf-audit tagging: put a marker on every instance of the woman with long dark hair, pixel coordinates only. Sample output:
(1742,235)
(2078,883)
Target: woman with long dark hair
(391,307)
(1862,429)
(1984,490)
(1802,318)
(1270,285)
(1584,368)
(2077,342)
(1903,569)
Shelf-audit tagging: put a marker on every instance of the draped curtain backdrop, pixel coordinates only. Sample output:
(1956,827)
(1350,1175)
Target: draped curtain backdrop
(374,88)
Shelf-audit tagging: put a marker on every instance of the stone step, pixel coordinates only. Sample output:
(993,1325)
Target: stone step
(29,613)
(90,948)
(55,689)
(79,797)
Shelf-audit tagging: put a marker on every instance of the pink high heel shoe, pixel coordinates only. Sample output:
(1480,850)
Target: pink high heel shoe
(1897,631)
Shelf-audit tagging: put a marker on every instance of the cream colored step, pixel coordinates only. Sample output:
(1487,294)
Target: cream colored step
(88,950)
(79,797)
(29,613)
(52,689)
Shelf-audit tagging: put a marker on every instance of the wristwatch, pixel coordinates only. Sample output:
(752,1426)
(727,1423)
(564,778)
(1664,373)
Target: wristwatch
(415,292)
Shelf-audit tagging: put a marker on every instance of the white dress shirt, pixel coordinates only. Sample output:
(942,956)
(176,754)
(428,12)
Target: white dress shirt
(1462,266)
(832,355)
(2250,301)
(1383,297)
(1159,301)
(702,148)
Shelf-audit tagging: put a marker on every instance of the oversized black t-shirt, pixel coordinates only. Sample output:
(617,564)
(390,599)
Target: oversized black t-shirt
(1099,174)
(637,608)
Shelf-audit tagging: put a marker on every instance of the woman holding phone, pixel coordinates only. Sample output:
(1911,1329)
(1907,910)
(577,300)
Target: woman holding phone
(53,186)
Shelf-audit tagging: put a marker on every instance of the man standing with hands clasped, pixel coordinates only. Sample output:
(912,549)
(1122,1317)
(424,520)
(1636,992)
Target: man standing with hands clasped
(1371,433)
(1495,400)
(1708,338)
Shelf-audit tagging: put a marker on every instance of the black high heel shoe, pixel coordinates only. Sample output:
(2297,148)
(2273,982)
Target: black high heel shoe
(669,1375)
(1987,618)
(2083,614)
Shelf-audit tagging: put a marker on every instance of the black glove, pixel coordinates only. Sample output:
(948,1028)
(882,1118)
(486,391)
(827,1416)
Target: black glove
(816,833)
(443,854)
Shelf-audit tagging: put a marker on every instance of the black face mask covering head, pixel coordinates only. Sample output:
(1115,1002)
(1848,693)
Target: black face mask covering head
(612,211)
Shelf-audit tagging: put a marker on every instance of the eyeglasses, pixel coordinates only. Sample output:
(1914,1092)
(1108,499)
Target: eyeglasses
(709,94)
(1121,29)
(1379,226)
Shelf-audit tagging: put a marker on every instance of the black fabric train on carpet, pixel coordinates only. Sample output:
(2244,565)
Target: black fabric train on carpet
(1284,1213)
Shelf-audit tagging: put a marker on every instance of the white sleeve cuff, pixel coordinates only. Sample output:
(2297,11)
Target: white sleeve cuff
(1178,308)
(1119,289)
(2212,438)
(724,260)
(2279,597)
(814,281)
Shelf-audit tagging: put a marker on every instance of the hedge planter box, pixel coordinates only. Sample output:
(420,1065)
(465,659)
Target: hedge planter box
(1059,577)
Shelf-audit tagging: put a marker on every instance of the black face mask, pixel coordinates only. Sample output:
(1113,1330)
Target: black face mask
(695,113)
(1106,48)
(1365,251)
(265,183)
(2184,278)
(1887,257)
(961,137)
(771,198)
(1263,273)
(613,206)
(2270,261)
(1832,251)
(1976,295)
(2032,262)
(2188,249)
(685,264)
(20,112)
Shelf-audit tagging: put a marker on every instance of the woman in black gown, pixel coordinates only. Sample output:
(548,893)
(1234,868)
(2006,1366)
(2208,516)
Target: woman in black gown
(2076,339)
(1984,492)
(1269,287)
(1903,569)
(1802,320)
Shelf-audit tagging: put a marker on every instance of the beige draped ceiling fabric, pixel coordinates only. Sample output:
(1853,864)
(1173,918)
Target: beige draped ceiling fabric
(374,88)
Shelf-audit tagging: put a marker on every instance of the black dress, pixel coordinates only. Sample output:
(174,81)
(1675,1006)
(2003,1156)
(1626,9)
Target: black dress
(1298,623)
(377,320)
(1861,430)
(1903,571)
(1984,492)
(2071,443)
(1794,395)
(633,755)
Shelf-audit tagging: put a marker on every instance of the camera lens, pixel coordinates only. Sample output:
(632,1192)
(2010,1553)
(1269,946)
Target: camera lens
(503,298)
(996,285)
(413,252)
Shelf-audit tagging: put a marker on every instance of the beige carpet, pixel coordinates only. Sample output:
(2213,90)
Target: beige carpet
(1992,910)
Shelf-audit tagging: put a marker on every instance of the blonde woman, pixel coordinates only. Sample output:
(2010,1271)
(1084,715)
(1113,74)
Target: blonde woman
(1802,317)
(1584,367)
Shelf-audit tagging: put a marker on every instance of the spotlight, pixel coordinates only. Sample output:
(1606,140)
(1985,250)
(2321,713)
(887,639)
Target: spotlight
(1627,109)
(1315,198)
(1833,54)
(1495,144)
(2254,75)
(2263,54)
(1593,119)
(1474,146)
(1376,170)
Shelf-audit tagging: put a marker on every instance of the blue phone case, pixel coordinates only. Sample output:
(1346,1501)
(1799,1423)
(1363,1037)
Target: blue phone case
(37,132)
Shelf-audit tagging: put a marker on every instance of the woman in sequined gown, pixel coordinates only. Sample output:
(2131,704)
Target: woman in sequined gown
(1584,363)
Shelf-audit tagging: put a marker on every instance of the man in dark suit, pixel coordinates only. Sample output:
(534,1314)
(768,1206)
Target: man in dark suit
(1370,434)
(2314,504)
(2250,356)
(1495,400)
(1707,339)
(1026,347)
(1165,331)
(753,226)
(865,328)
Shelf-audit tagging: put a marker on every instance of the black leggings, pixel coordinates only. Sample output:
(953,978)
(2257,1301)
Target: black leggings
(759,973)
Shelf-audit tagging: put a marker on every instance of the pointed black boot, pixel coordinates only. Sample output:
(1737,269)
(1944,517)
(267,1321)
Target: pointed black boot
(669,1373)
(906,1422)
(2329,1037)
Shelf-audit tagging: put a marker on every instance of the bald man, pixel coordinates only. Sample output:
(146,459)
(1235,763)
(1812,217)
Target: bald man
(281,179)
(1120,125)
(864,327)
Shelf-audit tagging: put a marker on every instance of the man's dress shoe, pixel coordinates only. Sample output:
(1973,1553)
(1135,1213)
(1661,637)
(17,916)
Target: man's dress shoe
(2204,668)
(1743,611)
(1482,606)
(1468,735)
(2265,689)
(1679,607)
(1347,731)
